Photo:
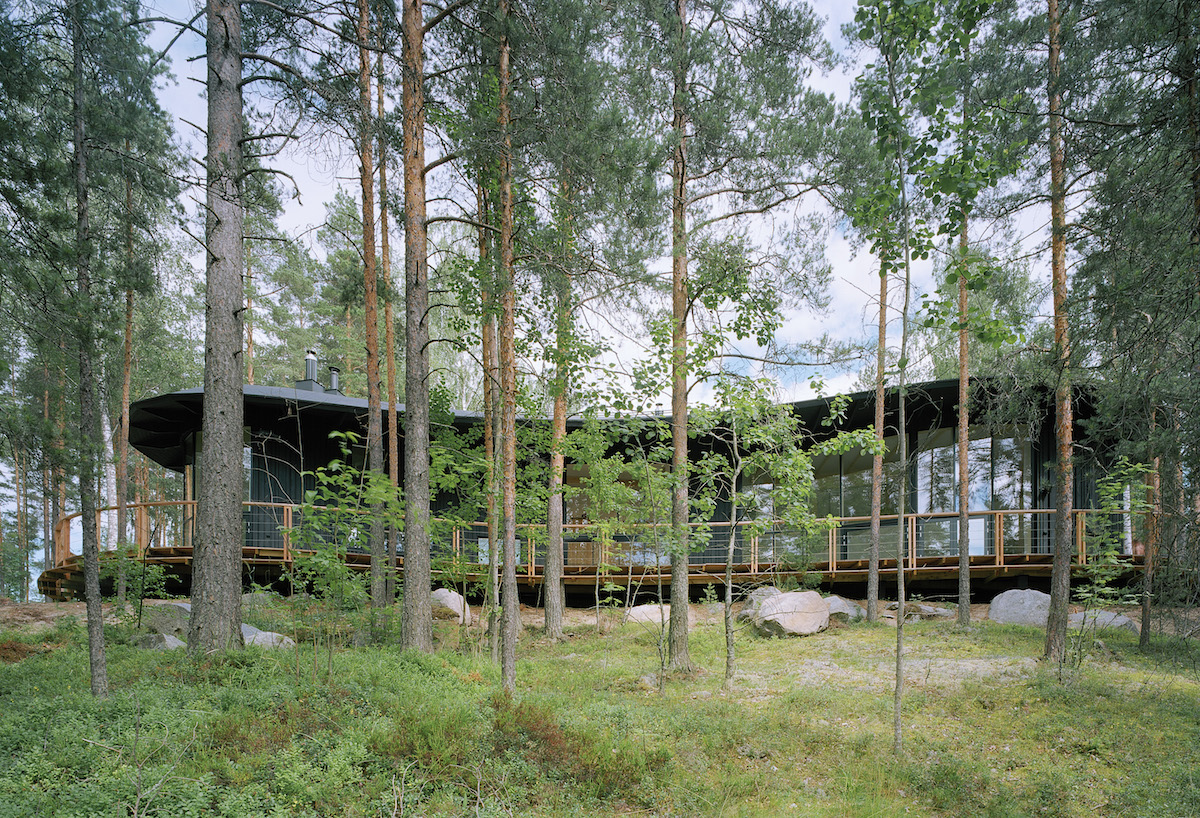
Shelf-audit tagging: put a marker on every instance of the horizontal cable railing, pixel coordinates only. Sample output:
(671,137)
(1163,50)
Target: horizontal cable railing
(278,533)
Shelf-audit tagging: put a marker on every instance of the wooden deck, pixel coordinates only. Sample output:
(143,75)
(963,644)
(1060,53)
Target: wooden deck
(267,566)
(1007,546)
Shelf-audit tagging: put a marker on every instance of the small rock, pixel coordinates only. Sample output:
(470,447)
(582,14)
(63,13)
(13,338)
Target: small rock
(748,751)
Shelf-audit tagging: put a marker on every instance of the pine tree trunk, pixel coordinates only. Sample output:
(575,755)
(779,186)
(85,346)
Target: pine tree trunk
(491,422)
(1060,577)
(22,543)
(1150,555)
(366,142)
(215,623)
(47,479)
(89,409)
(417,622)
(108,477)
(385,262)
(123,449)
(508,375)
(249,321)
(677,639)
(553,578)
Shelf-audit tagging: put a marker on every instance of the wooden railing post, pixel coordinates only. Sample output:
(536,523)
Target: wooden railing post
(141,529)
(287,536)
(1080,538)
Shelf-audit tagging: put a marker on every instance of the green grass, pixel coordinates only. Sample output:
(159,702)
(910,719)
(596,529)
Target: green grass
(805,731)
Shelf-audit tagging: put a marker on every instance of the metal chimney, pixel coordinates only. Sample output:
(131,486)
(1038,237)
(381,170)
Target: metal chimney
(310,365)
(334,380)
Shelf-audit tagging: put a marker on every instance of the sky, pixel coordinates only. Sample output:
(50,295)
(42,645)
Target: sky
(853,286)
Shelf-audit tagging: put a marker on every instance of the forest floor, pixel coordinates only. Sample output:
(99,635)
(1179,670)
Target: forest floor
(598,726)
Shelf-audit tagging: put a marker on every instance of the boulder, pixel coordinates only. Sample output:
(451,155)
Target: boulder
(656,615)
(916,611)
(1099,620)
(267,639)
(170,619)
(158,641)
(449,604)
(798,613)
(844,610)
(750,610)
(1020,607)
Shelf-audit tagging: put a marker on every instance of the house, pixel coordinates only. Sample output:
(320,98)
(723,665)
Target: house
(287,438)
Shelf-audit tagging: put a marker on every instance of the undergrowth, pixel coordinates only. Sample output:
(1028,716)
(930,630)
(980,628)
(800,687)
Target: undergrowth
(805,731)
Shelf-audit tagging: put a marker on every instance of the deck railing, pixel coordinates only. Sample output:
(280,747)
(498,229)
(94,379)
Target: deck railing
(1000,538)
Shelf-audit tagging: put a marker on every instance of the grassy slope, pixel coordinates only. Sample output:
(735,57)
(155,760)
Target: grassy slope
(806,731)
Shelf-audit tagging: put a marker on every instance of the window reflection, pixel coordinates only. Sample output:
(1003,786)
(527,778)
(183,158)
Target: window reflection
(999,474)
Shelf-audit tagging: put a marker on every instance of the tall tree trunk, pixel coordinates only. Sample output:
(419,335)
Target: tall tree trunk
(58,449)
(126,384)
(366,142)
(677,639)
(508,374)
(123,450)
(901,423)
(47,478)
(215,623)
(89,409)
(727,607)
(417,622)
(964,444)
(1060,577)
(901,509)
(108,477)
(249,321)
(19,480)
(385,261)
(553,578)
(491,418)
(877,460)
(1149,557)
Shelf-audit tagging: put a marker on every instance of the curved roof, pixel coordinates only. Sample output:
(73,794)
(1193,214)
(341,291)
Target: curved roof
(159,426)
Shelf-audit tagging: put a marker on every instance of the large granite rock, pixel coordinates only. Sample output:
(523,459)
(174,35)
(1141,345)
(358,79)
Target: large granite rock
(158,641)
(753,602)
(449,604)
(656,615)
(916,611)
(1020,607)
(170,619)
(798,613)
(844,610)
(1100,620)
